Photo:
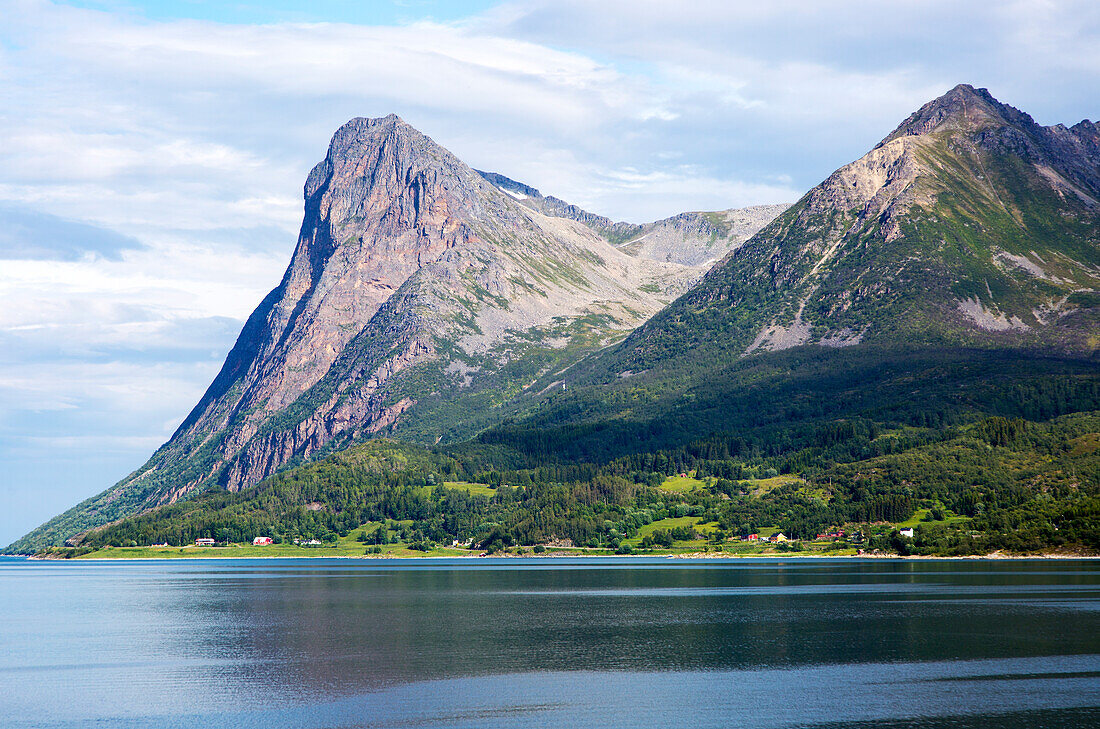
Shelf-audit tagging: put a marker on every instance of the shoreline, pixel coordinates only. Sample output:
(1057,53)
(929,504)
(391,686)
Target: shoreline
(692,556)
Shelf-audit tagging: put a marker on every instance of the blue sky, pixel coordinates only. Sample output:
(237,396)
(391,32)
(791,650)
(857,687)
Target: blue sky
(152,155)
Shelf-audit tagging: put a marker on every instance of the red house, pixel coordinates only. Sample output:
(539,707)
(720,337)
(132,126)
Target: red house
(752,538)
(261,541)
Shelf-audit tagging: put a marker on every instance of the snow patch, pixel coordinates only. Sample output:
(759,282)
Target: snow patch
(516,195)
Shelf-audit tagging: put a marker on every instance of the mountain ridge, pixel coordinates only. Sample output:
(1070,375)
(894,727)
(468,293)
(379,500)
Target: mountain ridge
(691,238)
(919,211)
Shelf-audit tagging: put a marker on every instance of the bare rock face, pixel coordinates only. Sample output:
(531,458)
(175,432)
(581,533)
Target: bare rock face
(384,203)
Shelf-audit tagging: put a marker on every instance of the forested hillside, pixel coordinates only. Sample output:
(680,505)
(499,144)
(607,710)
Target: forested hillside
(995,483)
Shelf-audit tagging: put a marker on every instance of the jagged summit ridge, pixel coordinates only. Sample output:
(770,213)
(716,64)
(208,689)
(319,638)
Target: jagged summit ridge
(963,105)
(390,172)
(999,127)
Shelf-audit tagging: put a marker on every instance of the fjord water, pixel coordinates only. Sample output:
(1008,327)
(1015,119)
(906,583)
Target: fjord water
(549,643)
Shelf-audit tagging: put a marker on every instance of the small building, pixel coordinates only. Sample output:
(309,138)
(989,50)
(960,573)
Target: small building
(204,542)
(907,533)
(752,538)
(779,537)
(262,541)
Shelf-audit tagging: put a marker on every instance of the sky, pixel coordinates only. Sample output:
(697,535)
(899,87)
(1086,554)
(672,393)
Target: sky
(152,155)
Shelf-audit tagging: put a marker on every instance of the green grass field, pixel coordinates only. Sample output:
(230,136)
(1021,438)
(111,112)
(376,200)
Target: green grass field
(761,486)
(240,551)
(473,488)
(681,484)
(919,515)
(358,550)
(349,546)
(672,523)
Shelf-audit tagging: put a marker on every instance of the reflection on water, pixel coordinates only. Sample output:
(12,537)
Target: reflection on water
(504,643)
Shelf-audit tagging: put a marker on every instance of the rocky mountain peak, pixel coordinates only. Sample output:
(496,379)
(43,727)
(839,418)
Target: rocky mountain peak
(962,107)
(976,119)
(421,296)
(385,174)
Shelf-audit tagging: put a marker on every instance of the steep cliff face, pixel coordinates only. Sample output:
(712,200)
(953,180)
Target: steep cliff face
(406,256)
(385,203)
(968,225)
(421,299)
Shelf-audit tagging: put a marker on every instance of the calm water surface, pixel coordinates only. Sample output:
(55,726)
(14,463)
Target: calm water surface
(549,643)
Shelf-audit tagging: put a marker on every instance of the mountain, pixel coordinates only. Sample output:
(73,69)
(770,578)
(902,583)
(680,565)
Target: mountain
(423,299)
(951,273)
(699,238)
(970,224)
(691,239)
(555,207)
